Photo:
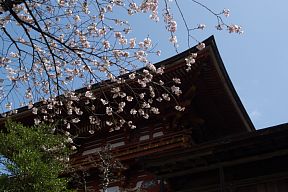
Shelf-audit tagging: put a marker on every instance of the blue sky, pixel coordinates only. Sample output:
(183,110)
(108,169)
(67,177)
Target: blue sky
(256,61)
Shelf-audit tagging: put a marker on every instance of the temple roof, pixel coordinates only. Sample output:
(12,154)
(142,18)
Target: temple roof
(262,144)
(213,96)
(207,88)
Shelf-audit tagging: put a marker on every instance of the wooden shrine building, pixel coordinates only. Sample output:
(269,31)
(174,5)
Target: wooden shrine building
(210,147)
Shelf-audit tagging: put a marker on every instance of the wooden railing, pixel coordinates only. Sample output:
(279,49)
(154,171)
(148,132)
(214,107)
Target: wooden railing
(174,141)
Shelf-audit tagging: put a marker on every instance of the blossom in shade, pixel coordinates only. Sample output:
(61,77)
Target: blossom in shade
(200,46)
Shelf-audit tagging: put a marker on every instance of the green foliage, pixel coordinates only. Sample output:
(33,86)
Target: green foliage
(34,158)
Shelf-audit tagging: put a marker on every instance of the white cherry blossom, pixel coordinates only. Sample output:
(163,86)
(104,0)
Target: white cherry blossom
(50,49)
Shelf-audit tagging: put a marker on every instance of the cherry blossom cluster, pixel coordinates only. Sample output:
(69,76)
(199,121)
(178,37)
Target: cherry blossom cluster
(50,48)
(235,29)
(171,25)
(115,108)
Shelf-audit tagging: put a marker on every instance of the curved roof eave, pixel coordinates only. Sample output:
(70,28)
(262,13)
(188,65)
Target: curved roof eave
(212,50)
(179,58)
(229,86)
